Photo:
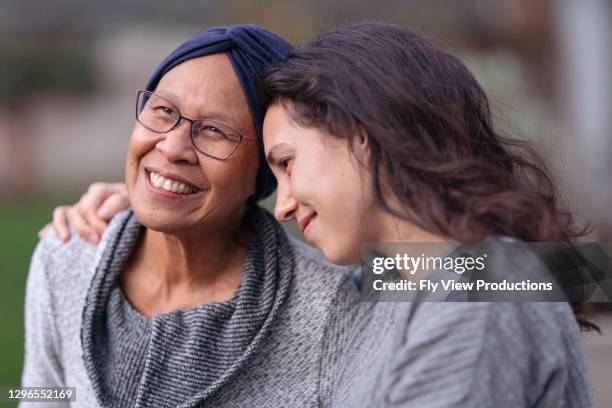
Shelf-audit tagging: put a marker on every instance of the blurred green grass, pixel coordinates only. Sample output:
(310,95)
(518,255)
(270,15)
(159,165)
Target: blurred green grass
(19,224)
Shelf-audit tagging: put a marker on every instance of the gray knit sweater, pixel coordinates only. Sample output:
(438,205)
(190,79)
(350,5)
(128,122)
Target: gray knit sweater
(468,355)
(263,348)
(452,354)
(320,347)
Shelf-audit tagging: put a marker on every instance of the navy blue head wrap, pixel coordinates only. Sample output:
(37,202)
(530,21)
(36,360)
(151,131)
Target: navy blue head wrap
(251,50)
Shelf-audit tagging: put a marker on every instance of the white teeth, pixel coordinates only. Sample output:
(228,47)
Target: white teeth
(160,181)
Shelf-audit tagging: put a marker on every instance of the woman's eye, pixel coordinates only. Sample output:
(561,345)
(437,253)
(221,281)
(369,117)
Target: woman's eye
(164,109)
(284,163)
(212,132)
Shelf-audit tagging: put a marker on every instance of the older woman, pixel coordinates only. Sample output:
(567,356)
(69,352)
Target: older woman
(195,296)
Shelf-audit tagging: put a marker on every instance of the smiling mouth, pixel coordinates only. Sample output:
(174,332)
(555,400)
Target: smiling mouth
(169,185)
(304,223)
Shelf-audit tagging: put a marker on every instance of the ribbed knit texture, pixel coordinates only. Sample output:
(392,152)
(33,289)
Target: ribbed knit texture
(179,358)
(263,348)
(123,355)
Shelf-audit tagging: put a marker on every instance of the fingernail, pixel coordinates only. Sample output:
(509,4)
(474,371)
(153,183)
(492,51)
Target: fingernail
(93,238)
(103,212)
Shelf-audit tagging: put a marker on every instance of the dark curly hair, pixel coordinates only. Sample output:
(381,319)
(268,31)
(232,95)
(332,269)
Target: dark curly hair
(430,131)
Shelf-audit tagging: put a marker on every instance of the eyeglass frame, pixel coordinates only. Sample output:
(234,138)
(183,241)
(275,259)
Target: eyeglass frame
(192,122)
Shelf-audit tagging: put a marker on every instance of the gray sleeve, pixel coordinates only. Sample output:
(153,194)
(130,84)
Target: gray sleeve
(41,366)
(488,355)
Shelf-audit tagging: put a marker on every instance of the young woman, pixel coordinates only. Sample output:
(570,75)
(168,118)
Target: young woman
(376,135)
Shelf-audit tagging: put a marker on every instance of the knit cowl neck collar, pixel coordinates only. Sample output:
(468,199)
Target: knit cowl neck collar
(191,352)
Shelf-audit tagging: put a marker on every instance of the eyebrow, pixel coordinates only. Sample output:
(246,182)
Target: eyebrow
(272,156)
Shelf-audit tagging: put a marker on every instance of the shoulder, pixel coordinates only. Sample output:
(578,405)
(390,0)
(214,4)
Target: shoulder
(326,292)
(320,291)
(312,260)
(524,351)
(51,250)
(546,330)
(539,338)
(66,265)
(545,333)
(55,261)
(314,272)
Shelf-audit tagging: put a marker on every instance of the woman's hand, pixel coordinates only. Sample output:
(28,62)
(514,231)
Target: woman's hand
(90,215)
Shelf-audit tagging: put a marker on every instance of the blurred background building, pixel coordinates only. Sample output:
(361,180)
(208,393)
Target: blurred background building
(69,72)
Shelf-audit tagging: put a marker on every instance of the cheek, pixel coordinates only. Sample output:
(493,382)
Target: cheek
(142,141)
(234,177)
(140,145)
(344,222)
(249,171)
(346,200)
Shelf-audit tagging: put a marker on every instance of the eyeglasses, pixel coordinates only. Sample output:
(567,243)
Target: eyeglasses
(209,137)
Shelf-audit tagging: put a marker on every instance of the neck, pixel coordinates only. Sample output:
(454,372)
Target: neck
(205,259)
(390,228)
(416,241)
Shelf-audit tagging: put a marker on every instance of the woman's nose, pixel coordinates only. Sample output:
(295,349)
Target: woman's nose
(176,145)
(285,206)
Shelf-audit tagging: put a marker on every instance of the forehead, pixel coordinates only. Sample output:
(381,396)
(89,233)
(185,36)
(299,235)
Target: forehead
(277,126)
(206,87)
(282,132)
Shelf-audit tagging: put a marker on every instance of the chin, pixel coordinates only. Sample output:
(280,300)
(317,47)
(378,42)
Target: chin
(342,256)
(156,220)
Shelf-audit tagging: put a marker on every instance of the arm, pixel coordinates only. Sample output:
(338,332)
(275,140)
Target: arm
(42,367)
(90,215)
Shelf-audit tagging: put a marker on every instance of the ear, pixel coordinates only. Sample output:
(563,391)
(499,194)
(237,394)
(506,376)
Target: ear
(361,146)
